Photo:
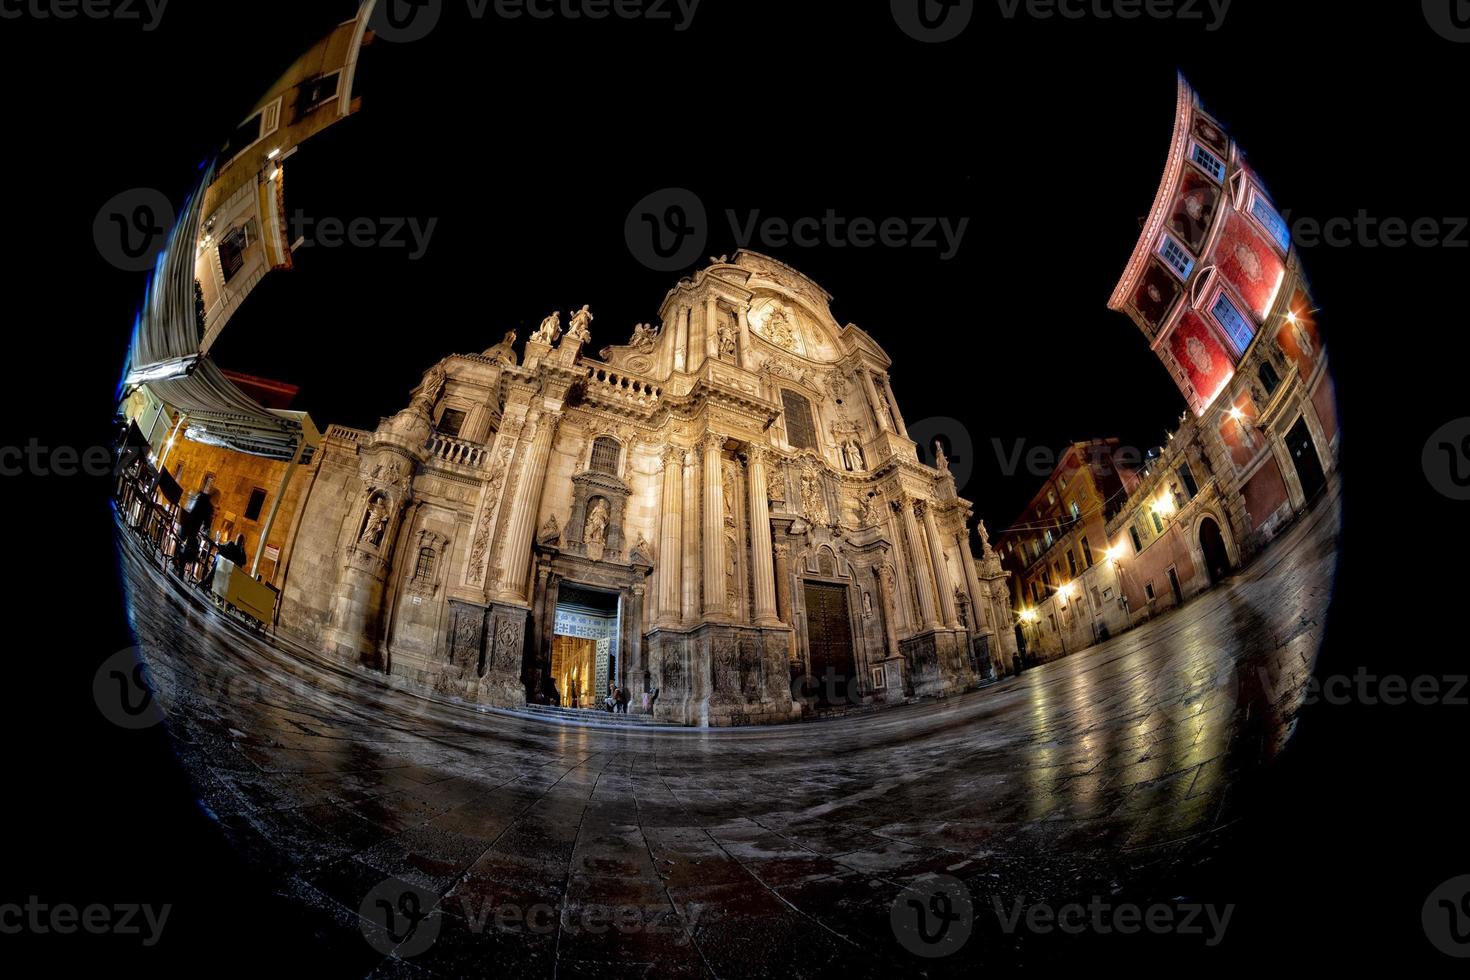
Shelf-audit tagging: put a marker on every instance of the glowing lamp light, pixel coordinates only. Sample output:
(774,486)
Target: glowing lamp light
(1236,413)
(1115,553)
(273,153)
(1028,615)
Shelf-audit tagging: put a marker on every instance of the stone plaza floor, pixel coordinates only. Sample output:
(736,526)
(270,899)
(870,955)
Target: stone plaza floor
(515,846)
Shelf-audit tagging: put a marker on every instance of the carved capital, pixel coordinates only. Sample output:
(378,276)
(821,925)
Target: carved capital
(756,454)
(712,441)
(673,456)
(920,509)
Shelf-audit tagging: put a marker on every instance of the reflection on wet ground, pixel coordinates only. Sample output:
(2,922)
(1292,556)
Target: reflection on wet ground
(546,849)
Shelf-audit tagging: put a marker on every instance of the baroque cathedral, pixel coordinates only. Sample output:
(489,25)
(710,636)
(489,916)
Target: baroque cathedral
(725,511)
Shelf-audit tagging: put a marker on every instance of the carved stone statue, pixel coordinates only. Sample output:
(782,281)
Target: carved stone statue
(597,523)
(550,532)
(577,330)
(375,523)
(426,395)
(728,346)
(778,330)
(812,500)
(867,512)
(852,455)
(505,351)
(643,338)
(550,330)
(984,539)
(941,461)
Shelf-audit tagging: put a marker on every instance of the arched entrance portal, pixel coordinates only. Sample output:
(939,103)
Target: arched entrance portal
(1212,544)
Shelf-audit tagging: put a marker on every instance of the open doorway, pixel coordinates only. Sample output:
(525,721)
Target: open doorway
(1212,545)
(584,648)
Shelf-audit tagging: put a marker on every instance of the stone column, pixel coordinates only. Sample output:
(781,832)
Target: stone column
(716,603)
(782,554)
(972,581)
(927,609)
(745,357)
(527,505)
(681,340)
(875,402)
(671,538)
(761,566)
(691,538)
(893,407)
(942,581)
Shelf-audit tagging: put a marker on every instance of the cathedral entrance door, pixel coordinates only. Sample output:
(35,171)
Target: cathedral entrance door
(833,679)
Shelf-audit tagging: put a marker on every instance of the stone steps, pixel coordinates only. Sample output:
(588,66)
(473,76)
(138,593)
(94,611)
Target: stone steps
(590,716)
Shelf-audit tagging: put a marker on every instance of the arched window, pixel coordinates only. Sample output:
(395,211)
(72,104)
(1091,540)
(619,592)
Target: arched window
(424,570)
(1269,378)
(605,455)
(801,427)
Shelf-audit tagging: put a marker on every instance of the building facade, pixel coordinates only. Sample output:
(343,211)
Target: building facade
(1218,292)
(1057,545)
(730,498)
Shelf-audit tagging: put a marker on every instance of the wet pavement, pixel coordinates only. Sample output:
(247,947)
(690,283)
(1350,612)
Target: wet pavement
(476,842)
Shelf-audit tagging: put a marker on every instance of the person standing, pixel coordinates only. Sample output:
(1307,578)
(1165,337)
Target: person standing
(195,522)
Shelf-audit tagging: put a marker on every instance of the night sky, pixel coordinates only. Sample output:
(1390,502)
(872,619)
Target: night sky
(1010,337)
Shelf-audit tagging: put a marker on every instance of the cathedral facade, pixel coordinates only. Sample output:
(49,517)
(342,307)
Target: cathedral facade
(726,510)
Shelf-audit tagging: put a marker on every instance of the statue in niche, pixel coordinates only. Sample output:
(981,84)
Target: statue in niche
(577,330)
(867,511)
(867,605)
(550,330)
(728,345)
(375,523)
(504,352)
(852,456)
(597,520)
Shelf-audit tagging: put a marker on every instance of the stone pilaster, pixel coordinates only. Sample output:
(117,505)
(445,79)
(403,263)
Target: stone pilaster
(761,564)
(893,661)
(716,603)
(671,538)
(782,553)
